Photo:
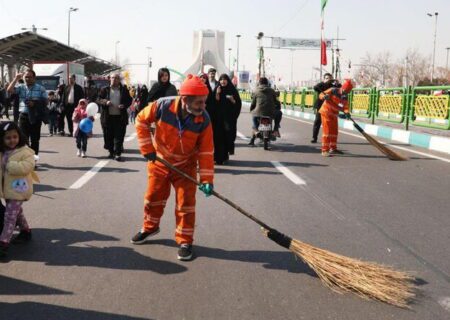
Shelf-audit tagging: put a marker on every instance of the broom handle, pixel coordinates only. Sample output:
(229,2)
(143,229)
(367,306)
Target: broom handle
(214,193)
(357,125)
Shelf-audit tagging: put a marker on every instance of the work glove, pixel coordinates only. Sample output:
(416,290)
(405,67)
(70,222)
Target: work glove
(150,156)
(206,188)
(347,115)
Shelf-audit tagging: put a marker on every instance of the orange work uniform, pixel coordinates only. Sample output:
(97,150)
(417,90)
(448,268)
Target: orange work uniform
(334,102)
(183,143)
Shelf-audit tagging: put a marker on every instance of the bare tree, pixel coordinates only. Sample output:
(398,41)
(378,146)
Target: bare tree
(442,75)
(416,65)
(375,70)
(407,71)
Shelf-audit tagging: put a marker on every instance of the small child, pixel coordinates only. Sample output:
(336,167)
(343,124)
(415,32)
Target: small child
(81,137)
(17,172)
(52,113)
(132,110)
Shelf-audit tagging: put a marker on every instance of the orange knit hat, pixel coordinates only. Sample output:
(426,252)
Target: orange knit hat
(193,86)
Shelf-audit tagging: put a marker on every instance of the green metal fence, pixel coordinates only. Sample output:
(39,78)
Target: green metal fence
(419,106)
(429,110)
(360,102)
(391,104)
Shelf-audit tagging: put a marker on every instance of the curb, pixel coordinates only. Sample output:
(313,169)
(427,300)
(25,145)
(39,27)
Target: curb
(427,141)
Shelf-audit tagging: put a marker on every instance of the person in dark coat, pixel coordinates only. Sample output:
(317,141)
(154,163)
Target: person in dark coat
(142,97)
(114,101)
(229,104)
(216,113)
(328,82)
(91,91)
(162,88)
(263,104)
(73,92)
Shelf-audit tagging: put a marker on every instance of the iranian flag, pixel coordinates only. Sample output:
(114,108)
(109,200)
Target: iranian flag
(323,44)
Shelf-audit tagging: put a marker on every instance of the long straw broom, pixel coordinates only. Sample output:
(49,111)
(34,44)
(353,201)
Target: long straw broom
(342,274)
(385,150)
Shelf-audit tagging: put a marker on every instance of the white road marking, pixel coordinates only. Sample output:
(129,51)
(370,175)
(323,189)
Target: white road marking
(390,145)
(88,175)
(299,181)
(288,173)
(242,136)
(130,137)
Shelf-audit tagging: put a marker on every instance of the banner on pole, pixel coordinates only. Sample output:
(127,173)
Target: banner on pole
(298,43)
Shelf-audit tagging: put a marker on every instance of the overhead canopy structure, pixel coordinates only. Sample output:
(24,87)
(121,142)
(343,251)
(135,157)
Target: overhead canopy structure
(26,47)
(94,65)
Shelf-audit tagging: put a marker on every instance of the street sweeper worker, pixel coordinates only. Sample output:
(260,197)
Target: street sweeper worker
(183,137)
(335,100)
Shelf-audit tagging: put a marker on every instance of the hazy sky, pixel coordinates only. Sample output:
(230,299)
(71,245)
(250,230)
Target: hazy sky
(167,26)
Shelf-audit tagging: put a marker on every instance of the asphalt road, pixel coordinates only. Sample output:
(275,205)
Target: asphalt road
(81,265)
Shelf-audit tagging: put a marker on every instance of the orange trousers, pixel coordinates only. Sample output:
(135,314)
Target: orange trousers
(160,180)
(329,132)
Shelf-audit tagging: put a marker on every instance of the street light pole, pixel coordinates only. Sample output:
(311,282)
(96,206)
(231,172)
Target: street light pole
(446,64)
(117,59)
(229,59)
(68,28)
(237,53)
(434,45)
(148,66)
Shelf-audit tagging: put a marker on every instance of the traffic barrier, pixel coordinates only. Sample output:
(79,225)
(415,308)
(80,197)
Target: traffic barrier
(360,102)
(419,106)
(429,110)
(391,104)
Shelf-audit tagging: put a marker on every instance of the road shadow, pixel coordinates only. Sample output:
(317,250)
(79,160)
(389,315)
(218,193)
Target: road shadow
(68,247)
(48,151)
(233,171)
(132,151)
(43,311)
(104,169)
(10,286)
(277,260)
(267,164)
(46,188)
(139,159)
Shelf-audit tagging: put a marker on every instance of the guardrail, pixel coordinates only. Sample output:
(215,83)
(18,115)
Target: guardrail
(418,106)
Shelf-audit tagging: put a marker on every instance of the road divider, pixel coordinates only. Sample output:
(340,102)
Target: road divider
(390,145)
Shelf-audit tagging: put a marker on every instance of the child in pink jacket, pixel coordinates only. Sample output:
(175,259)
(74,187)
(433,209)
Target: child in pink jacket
(81,137)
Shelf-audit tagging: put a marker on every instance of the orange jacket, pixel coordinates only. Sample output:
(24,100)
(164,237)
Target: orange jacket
(336,102)
(176,141)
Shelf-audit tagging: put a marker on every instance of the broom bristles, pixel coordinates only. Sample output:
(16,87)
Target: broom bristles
(366,279)
(385,150)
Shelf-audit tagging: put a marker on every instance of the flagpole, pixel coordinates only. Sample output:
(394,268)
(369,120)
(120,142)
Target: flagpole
(322,13)
(321,47)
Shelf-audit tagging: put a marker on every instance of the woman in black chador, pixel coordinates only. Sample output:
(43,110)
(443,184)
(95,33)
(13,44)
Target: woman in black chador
(162,88)
(226,111)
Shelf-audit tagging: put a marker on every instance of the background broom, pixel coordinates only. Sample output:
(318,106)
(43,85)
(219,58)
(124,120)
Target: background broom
(342,274)
(385,150)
